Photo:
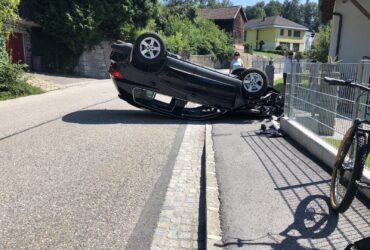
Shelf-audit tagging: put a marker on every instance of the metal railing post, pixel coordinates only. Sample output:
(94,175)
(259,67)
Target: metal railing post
(360,70)
(292,83)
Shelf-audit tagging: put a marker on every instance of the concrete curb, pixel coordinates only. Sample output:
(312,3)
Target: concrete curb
(315,145)
(309,140)
(213,235)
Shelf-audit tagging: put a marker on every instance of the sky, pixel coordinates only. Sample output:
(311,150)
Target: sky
(252,2)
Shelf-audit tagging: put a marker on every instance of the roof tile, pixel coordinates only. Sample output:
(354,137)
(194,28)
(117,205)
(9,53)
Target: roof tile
(272,21)
(225,13)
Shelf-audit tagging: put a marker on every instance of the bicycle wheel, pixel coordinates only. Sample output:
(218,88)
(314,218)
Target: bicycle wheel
(347,170)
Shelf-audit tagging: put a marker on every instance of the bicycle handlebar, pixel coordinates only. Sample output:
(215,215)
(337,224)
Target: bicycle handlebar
(333,81)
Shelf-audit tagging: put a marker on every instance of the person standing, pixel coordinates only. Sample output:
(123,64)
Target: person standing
(236,62)
(287,66)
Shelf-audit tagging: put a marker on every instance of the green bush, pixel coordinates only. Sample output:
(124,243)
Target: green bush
(200,36)
(12,80)
(320,48)
(248,47)
(13,83)
(282,48)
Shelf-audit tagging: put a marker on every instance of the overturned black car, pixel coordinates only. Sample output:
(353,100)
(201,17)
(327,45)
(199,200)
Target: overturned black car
(147,76)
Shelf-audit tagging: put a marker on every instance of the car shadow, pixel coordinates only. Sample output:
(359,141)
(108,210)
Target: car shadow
(238,118)
(111,116)
(107,116)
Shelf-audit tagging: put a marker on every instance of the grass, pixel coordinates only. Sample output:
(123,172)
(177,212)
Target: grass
(332,141)
(18,89)
(336,143)
(279,85)
(13,81)
(263,53)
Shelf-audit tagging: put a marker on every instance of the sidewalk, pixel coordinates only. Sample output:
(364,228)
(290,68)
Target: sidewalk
(275,196)
(49,82)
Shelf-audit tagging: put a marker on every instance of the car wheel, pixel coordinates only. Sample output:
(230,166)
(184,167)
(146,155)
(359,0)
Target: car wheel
(238,71)
(149,49)
(254,82)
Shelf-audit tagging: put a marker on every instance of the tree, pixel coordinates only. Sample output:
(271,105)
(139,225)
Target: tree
(320,47)
(292,10)
(199,36)
(182,11)
(255,11)
(81,23)
(310,15)
(218,4)
(8,16)
(273,8)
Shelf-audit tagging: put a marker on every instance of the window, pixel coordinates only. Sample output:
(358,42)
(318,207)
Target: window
(289,33)
(297,33)
(282,32)
(296,46)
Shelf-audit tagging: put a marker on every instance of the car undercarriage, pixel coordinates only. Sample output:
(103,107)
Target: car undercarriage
(147,76)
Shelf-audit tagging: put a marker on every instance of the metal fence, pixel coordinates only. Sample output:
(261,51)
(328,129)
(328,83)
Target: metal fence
(326,110)
(262,62)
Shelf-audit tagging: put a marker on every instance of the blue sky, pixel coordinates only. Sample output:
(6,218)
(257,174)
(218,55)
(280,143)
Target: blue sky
(252,2)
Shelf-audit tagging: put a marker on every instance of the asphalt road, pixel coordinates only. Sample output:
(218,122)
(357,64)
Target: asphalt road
(80,168)
(275,196)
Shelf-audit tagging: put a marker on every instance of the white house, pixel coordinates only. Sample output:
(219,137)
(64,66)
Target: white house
(350,39)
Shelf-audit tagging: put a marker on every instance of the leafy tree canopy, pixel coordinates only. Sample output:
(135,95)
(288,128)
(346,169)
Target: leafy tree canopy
(78,23)
(273,8)
(199,36)
(255,11)
(182,11)
(292,10)
(187,33)
(320,47)
(8,16)
(310,15)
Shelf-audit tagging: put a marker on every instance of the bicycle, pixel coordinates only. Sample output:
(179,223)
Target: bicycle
(351,156)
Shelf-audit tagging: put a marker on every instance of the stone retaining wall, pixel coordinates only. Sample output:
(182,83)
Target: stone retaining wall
(95,61)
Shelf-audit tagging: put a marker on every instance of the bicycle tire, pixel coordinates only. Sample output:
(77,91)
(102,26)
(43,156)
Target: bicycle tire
(356,173)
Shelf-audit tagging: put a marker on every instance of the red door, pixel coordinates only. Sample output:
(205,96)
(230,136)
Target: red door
(15,48)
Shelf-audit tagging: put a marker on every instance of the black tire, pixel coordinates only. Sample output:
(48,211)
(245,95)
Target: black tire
(149,49)
(238,72)
(341,203)
(255,82)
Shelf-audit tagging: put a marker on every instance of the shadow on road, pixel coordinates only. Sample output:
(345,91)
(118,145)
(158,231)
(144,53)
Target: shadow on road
(312,220)
(105,116)
(303,184)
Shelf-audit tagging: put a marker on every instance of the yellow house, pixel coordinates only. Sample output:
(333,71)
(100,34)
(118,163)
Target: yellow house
(267,33)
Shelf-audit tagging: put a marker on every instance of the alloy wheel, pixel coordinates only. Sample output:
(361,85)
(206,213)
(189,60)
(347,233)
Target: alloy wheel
(150,48)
